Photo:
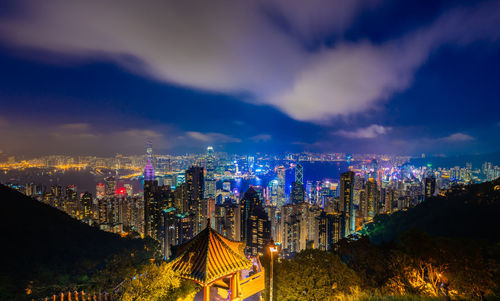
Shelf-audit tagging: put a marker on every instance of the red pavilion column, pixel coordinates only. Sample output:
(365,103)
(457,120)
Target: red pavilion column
(206,293)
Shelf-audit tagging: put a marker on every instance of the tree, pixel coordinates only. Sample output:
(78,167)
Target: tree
(313,275)
(158,282)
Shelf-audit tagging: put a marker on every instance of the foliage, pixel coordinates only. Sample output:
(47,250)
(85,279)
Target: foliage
(157,282)
(313,275)
(465,212)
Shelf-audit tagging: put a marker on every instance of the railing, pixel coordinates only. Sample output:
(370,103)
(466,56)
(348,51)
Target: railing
(80,296)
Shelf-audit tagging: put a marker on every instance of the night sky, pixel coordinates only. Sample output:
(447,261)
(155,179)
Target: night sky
(102,77)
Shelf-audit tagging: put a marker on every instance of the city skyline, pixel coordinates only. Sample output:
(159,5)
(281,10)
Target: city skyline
(352,77)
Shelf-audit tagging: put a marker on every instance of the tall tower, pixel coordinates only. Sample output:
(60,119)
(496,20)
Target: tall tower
(281,186)
(152,222)
(255,224)
(299,174)
(149,173)
(346,198)
(297,194)
(210,182)
(430,187)
(194,196)
(371,198)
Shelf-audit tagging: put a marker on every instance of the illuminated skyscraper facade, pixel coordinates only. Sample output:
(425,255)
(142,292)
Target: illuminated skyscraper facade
(347,203)
(210,181)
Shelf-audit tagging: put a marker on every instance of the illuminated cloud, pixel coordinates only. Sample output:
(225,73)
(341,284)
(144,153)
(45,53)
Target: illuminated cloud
(371,131)
(457,137)
(235,47)
(212,137)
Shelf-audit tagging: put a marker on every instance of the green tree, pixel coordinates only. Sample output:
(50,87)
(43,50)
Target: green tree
(155,283)
(313,275)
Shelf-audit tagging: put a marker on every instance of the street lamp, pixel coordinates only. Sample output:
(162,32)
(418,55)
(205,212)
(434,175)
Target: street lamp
(272,250)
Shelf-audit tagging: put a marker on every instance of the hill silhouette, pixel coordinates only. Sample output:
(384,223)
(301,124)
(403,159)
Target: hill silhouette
(466,212)
(46,251)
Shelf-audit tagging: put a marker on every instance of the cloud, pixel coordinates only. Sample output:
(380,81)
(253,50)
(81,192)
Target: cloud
(34,139)
(236,47)
(371,131)
(75,126)
(457,137)
(261,138)
(212,137)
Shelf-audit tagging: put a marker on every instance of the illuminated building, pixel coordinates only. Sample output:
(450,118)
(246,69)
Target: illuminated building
(299,173)
(371,198)
(152,224)
(329,230)
(298,195)
(194,197)
(86,204)
(227,220)
(100,191)
(295,227)
(430,187)
(255,225)
(110,188)
(347,203)
(280,191)
(129,190)
(210,182)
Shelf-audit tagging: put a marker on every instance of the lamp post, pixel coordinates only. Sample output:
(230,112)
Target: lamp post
(272,250)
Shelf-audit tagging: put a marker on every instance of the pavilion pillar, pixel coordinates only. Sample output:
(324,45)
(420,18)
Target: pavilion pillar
(206,293)
(233,286)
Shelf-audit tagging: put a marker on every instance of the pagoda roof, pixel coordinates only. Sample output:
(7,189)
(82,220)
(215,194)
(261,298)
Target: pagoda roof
(209,256)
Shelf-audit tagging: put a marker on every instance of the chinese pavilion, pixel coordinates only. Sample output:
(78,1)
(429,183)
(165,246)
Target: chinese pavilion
(210,259)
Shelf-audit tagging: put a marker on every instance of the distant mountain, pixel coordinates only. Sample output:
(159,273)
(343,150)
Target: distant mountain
(470,212)
(46,251)
(451,161)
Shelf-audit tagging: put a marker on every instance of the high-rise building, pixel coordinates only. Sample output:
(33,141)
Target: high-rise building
(430,187)
(347,203)
(280,187)
(299,173)
(210,182)
(255,225)
(152,211)
(297,195)
(295,220)
(110,187)
(371,198)
(100,191)
(194,197)
(329,230)
(86,204)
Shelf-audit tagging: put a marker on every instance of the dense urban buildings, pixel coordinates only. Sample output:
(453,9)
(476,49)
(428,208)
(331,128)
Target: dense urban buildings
(256,199)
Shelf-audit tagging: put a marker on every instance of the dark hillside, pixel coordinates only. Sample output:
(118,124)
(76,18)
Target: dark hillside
(47,251)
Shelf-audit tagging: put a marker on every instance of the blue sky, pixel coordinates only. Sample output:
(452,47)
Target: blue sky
(401,77)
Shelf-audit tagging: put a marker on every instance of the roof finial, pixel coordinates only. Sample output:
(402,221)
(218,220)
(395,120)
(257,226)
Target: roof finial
(208,222)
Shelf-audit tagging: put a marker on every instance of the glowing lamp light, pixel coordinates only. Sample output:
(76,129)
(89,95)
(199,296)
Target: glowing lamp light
(273,249)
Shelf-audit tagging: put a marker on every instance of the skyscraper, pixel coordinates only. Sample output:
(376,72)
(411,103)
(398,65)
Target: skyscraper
(280,191)
(210,182)
(298,195)
(371,198)
(255,225)
(110,187)
(347,204)
(152,224)
(299,173)
(194,196)
(430,187)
